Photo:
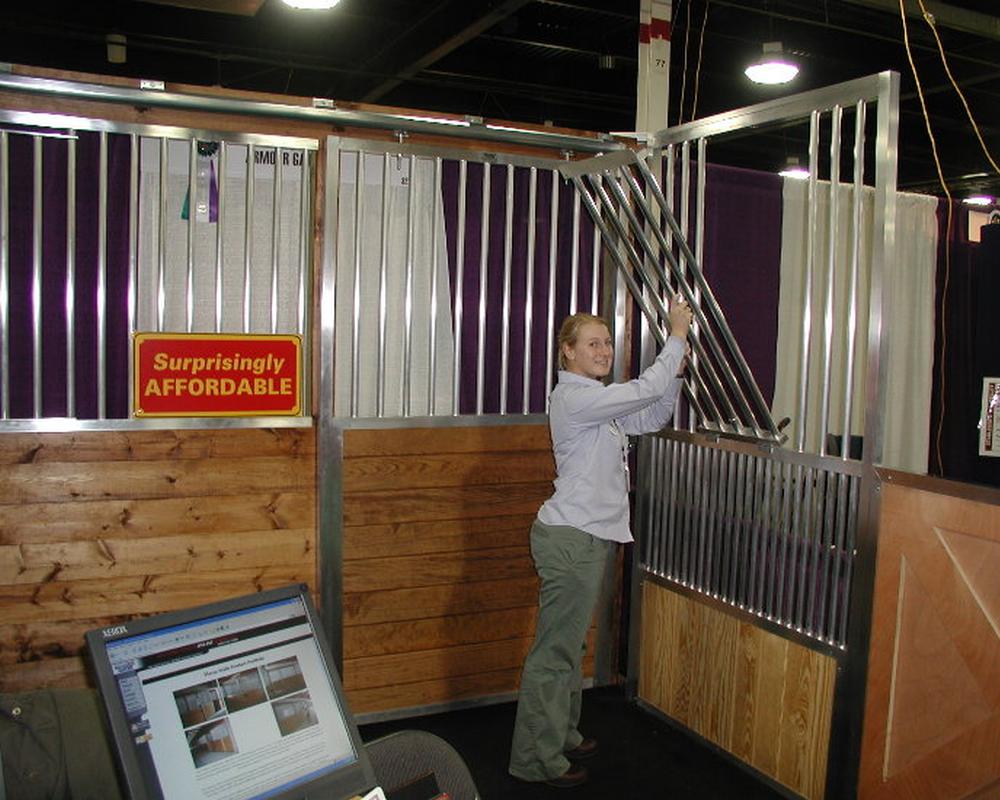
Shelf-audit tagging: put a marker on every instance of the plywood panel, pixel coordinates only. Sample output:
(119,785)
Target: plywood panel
(372,473)
(932,715)
(763,698)
(438,536)
(425,570)
(503,438)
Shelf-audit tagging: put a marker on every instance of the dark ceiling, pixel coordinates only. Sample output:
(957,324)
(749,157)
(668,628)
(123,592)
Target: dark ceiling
(572,62)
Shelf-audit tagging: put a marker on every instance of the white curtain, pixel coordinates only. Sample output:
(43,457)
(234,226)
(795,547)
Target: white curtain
(908,322)
(401,228)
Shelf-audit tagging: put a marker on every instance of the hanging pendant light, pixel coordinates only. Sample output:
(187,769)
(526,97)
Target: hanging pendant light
(316,5)
(773,67)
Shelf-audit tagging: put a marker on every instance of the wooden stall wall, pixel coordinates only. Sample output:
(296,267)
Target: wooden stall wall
(439,588)
(96,527)
(932,714)
(764,699)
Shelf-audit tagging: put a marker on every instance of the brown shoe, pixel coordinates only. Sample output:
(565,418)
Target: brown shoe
(586,749)
(574,776)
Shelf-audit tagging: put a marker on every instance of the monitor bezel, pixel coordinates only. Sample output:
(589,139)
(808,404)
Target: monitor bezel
(355,778)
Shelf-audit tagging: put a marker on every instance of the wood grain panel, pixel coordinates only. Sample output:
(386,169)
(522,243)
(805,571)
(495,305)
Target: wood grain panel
(368,608)
(63,483)
(440,592)
(406,572)
(437,632)
(98,527)
(932,715)
(439,536)
(469,502)
(135,518)
(159,445)
(764,699)
(504,438)
(373,473)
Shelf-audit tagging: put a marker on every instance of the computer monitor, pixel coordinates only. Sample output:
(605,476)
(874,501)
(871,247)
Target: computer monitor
(234,700)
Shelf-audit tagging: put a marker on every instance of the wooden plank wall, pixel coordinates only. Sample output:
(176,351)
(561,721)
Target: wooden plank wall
(96,527)
(932,705)
(439,589)
(764,699)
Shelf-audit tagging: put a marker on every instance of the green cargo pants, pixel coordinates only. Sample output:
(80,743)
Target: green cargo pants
(570,564)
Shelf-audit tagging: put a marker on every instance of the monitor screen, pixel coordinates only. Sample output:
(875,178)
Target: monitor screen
(234,700)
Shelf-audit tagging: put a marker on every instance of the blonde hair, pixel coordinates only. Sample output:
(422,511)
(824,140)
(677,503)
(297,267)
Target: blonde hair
(569,331)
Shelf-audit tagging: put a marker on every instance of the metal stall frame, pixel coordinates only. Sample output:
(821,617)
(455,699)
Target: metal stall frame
(850,648)
(333,422)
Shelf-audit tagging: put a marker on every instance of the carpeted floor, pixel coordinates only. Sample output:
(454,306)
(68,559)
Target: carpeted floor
(640,756)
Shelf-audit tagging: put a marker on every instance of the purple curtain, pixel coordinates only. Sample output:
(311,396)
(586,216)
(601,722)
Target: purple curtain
(55,327)
(495,258)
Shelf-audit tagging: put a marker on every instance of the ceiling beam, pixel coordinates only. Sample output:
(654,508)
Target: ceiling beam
(467,34)
(947,16)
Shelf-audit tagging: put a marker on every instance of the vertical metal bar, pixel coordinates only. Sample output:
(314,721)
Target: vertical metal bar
(550,325)
(651,477)
(699,227)
(766,574)
(36,279)
(248,226)
(574,286)
(794,546)
(852,284)
(595,274)
(753,531)
(70,285)
(329,440)
(4,276)
(192,205)
(305,238)
(840,557)
(276,199)
(684,556)
(828,560)
(777,607)
(832,238)
(220,229)
(529,291)
(811,243)
(359,204)
(849,550)
(701,487)
(459,284)
(815,540)
(739,486)
(671,510)
(727,479)
(508,234)
(435,306)
(383,289)
(484,247)
(407,365)
(102,280)
(805,551)
(663,499)
(161,245)
(133,257)
(685,200)
(716,520)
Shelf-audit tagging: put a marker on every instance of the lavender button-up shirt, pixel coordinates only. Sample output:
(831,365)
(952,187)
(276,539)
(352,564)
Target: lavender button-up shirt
(590,423)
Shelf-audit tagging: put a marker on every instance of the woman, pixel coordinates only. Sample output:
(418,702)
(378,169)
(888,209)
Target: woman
(575,529)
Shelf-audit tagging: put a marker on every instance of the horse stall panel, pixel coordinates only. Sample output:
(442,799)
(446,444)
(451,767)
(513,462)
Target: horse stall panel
(440,592)
(932,716)
(99,527)
(763,698)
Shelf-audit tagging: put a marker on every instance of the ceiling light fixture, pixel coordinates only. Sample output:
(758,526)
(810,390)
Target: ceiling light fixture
(773,67)
(794,170)
(314,5)
(978,200)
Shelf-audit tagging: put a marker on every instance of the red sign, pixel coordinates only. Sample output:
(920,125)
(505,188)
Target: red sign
(216,375)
